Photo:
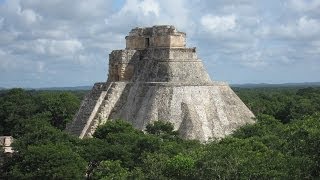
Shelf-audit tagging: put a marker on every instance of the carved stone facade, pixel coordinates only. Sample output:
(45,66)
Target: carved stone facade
(121,67)
(158,78)
(5,143)
(155,37)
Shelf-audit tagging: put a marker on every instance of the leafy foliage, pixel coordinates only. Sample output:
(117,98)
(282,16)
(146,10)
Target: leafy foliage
(60,106)
(53,161)
(180,167)
(18,105)
(284,104)
(161,128)
(15,107)
(110,170)
(284,142)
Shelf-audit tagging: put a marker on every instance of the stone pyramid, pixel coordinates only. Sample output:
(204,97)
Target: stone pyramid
(158,78)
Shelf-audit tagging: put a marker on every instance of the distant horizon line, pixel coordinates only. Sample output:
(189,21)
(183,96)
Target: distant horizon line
(316,83)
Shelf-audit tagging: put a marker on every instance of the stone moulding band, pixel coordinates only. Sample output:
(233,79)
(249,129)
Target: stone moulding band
(174,60)
(215,83)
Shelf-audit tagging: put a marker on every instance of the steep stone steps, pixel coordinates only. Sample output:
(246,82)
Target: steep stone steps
(108,104)
(88,109)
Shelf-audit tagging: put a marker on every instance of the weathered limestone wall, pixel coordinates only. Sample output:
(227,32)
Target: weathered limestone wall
(197,112)
(157,78)
(170,65)
(161,41)
(178,41)
(5,143)
(157,65)
(155,37)
(135,42)
(88,109)
(175,54)
(171,41)
(121,64)
(106,106)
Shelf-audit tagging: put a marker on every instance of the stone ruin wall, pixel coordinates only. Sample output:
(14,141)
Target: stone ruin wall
(88,109)
(163,64)
(157,78)
(155,37)
(121,64)
(5,143)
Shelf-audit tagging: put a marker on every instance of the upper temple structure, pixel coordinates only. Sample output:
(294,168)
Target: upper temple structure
(157,78)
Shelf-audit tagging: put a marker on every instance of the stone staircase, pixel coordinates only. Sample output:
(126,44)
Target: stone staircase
(88,109)
(122,72)
(108,104)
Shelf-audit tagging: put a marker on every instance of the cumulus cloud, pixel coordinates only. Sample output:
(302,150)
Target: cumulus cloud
(302,28)
(253,59)
(218,23)
(149,6)
(310,6)
(62,42)
(56,48)
(30,16)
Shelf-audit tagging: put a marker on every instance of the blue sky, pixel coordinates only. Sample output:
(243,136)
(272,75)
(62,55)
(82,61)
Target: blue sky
(66,43)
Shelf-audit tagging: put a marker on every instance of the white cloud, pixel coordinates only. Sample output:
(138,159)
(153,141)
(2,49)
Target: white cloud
(253,59)
(47,48)
(30,16)
(300,29)
(151,12)
(7,37)
(38,36)
(218,24)
(40,66)
(4,61)
(1,22)
(149,6)
(80,10)
(262,31)
(57,48)
(308,26)
(305,5)
(146,7)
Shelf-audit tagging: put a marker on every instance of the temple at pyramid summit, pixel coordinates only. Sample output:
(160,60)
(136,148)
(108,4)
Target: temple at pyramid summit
(156,77)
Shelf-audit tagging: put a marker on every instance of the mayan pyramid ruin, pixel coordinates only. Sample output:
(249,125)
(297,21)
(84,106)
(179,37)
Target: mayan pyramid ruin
(156,77)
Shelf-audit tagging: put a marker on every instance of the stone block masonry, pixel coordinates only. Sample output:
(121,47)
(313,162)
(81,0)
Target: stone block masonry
(158,78)
(88,109)
(5,144)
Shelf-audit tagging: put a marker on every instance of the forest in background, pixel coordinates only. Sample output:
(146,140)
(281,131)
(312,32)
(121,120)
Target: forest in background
(284,142)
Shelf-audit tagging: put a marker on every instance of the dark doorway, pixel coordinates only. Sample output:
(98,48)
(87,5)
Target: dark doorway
(116,73)
(147,42)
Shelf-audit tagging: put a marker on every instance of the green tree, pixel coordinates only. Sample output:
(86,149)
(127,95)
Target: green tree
(154,165)
(110,170)
(112,127)
(50,161)
(180,167)
(15,106)
(61,107)
(123,142)
(303,137)
(95,150)
(161,128)
(265,125)
(249,159)
(37,131)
